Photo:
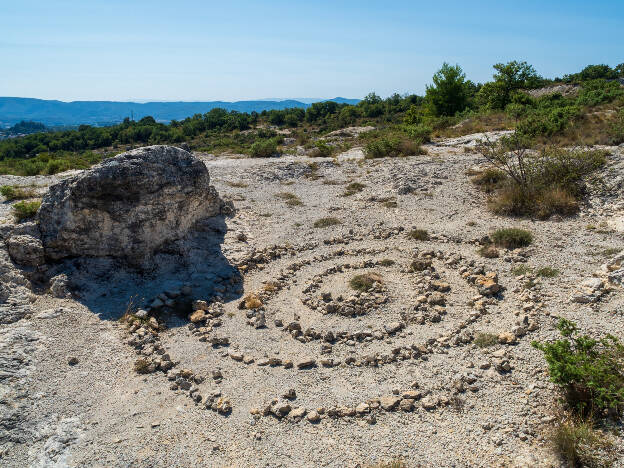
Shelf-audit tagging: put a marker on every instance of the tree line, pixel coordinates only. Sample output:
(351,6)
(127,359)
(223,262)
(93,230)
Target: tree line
(451,94)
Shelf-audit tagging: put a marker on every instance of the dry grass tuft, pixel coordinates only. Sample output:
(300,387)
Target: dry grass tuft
(418,234)
(365,281)
(326,222)
(252,301)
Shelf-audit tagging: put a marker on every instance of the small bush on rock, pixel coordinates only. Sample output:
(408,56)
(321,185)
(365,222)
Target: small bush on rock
(24,210)
(590,372)
(512,238)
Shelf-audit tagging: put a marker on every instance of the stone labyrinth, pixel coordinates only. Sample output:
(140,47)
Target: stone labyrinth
(315,335)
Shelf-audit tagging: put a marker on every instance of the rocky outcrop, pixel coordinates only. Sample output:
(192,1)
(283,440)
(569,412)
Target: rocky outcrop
(128,206)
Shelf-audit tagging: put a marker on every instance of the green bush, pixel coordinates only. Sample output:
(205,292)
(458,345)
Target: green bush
(323,150)
(596,92)
(511,238)
(15,192)
(590,372)
(616,130)
(392,147)
(264,148)
(419,133)
(24,210)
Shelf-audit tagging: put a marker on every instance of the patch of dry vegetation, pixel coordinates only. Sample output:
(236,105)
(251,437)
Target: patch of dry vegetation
(326,222)
(365,281)
(418,234)
(524,182)
(16,192)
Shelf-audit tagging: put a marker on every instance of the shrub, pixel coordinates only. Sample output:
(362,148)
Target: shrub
(326,222)
(616,130)
(290,198)
(541,183)
(264,148)
(141,366)
(419,133)
(512,238)
(547,272)
(579,444)
(418,234)
(364,282)
(24,210)
(556,200)
(521,270)
(590,372)
(392,147)
(13,192)
(489,179)
(485,340)
(353,188)
(251,301)
(322,149)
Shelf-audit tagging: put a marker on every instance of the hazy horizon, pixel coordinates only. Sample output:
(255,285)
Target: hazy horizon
(210,51)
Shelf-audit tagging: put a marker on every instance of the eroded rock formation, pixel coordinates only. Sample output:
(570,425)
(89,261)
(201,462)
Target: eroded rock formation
(128,206)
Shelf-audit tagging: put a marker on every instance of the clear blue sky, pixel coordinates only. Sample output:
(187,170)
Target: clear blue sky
(234,50)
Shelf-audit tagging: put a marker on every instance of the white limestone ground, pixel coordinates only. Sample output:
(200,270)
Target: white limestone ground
(477,406)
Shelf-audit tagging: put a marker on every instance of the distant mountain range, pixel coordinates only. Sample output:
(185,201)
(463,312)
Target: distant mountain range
(50,113)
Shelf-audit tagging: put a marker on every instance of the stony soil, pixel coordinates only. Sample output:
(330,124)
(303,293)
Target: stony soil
(401,376)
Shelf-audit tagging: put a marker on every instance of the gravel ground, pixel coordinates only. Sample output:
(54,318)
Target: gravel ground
(476,406)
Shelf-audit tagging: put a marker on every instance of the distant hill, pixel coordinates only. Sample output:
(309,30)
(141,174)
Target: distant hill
(13,110)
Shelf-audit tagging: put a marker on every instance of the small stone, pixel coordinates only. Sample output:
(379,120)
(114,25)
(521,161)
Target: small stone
(393,327)
(306,364)
(72,361)
(429,402)
(506,338)
(389,403)
(297,414)
(197,316)
(362,408)
(313,416)
(406,404)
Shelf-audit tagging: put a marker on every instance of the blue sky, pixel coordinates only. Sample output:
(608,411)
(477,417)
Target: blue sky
(235,50)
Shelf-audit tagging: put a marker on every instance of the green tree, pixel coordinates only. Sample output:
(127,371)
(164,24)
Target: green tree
(449,92)
(508,79)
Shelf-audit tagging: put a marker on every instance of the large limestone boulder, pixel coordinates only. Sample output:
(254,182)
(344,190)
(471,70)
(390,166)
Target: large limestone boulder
(128,206)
